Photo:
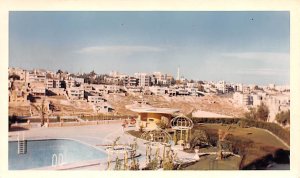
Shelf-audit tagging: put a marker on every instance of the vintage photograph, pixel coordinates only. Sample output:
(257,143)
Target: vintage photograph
(149,90)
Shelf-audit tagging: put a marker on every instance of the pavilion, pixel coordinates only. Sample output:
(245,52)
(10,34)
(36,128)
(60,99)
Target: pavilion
(150,117)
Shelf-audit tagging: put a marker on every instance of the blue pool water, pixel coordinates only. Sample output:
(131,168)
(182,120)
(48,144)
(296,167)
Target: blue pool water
(40,153)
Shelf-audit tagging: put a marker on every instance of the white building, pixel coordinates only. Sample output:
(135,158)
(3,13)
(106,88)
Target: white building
(272,86)
(37,88)
(143,79)
(257,99)
(158,90)
(38,91)
(192,85)
(112,88)
(52,83)
(242,99)
(246,89)
(78,80)
(116,74)
(131,81)
(276,104)
(171,91)
(87,87)
(35,76)
(103,107)
(222,87)
(75,93)
(70,83)
(95,99)
(192,91)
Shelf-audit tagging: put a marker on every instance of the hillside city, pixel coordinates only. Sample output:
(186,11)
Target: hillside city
(109,94)
(149,90)
(147,121)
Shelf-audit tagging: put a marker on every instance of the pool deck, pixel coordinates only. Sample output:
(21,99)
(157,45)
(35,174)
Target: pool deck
(96,136)
(93,135)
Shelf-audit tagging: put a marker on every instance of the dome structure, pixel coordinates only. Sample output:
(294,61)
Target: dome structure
(182,123)
(158,135)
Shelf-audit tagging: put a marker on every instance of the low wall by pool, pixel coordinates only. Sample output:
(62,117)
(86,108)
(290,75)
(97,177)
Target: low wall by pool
(43,153)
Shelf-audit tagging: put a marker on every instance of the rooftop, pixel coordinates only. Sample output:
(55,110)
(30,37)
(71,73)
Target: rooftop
(154,110)
(206,114)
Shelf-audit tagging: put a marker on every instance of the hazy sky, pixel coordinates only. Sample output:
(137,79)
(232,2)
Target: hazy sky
(246,47)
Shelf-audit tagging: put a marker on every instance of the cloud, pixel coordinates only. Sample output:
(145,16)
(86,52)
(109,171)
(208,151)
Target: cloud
(119,49)
(258,56)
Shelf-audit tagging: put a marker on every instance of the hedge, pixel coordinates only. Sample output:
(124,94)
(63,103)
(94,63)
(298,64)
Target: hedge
(272,127)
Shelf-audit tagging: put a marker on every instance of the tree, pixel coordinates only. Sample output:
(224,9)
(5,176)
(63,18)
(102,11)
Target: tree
(52,106)
(199,138)
(43,111)
(162,125)
(14,77)
(242,123)
(259,113)
(283,117)
(49,76)
(262,112)
(59,72)
(92,73)
(251,114)
(222,134)
(12,119)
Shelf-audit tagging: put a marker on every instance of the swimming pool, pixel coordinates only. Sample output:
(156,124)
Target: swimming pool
(43,153)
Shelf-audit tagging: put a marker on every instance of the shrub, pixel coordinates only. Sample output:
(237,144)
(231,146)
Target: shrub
(153,165)
(12,119)
(58,118)
(262,112)
(168,165)
(199,138)
(283,117)
(282,156)
(162,125)
(242,123)
(141,129)
(251,114)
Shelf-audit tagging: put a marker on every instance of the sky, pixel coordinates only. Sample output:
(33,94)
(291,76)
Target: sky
(250,47)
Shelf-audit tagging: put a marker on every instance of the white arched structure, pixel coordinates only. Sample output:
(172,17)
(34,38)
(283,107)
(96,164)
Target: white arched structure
(181,125)
(157,136)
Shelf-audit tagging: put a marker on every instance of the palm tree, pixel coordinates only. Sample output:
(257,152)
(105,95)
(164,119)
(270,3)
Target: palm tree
(222,135)
(43,111)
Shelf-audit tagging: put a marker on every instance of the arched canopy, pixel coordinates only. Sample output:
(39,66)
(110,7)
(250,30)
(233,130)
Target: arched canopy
(182,123)
(159,136)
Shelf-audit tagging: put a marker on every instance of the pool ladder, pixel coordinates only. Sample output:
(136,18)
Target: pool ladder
(22,144)
(57,160)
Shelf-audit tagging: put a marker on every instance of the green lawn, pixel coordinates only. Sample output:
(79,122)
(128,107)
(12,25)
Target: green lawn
(259,144)
(255,134)
(210,163)
(263,142)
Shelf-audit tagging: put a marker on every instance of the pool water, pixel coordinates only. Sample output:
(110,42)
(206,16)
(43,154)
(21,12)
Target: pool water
(40,153)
